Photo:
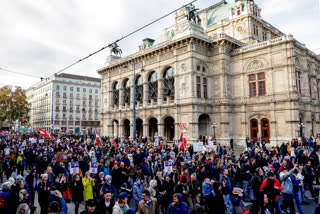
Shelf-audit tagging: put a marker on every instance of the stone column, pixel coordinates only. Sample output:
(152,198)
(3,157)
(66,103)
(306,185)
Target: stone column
(121,98)
(161,129)
(160,91)
(146,130)
(121,129)
(145,94)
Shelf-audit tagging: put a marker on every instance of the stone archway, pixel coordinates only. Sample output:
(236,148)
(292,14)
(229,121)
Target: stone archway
(126,128)
(115,128)
(153,126)
(169,128)
(139,128)
(204,126)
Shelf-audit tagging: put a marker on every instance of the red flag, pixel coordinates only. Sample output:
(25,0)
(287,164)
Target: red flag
(7,132)
(98,140)
(44,134)
(114,144)
(125,149)
(183,141)
(21,119)
(2,132)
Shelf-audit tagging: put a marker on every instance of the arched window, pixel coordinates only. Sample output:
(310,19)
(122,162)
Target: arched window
(153,87)
(115,91)
(139,89)
(168,84)
(126,91)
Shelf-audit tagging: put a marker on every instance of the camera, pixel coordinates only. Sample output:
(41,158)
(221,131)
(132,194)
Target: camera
(52,192)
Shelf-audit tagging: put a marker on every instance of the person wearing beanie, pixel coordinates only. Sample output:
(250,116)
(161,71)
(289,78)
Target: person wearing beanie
(182,188)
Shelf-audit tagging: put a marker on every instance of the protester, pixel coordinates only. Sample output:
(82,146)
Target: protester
(152,175)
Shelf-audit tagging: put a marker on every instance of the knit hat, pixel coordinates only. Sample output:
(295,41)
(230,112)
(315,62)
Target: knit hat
(183,179)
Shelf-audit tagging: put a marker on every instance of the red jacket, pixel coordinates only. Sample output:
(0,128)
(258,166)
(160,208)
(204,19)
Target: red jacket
(276,184)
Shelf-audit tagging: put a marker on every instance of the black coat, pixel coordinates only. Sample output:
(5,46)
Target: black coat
(216,203)
(76,189)
(101,206)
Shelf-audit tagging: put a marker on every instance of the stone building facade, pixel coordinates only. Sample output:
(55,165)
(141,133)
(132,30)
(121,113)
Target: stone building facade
(65,103)
(235,70)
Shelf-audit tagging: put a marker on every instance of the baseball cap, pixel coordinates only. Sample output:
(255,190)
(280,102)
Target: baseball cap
(122,195)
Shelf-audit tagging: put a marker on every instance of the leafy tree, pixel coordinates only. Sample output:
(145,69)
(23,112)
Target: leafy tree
(11,103)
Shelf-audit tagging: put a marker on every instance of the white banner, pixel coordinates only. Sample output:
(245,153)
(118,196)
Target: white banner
(198,147)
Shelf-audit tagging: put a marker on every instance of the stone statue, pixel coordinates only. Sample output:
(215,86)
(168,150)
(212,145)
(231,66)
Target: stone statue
(114,49)
(192,14)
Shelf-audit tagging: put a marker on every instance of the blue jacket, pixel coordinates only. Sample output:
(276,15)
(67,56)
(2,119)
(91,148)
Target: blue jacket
(8,204)
(181,208)
(137,192)
(64,208)
(286,182)
(228,184)
(206,189)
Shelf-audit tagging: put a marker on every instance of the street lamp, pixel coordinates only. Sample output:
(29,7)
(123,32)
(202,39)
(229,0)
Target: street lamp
(301,126)
(51,110)
(134,61)
(214,126)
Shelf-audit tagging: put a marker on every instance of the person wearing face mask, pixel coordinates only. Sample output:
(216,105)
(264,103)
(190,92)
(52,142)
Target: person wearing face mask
(77,192)
(108,185)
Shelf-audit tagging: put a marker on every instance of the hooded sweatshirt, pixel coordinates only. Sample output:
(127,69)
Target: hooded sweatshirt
(181,208)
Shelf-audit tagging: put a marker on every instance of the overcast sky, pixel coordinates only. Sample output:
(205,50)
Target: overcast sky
(40,37)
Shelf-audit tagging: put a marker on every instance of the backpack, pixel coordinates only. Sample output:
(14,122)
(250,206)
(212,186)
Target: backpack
(2,201)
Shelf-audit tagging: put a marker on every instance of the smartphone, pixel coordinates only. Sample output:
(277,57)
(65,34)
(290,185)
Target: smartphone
(52,192)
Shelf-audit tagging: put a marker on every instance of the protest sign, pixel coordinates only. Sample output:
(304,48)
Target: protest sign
(74,168)
(156,140)
(62,157)
(198,147)
(168,166)
(93,167)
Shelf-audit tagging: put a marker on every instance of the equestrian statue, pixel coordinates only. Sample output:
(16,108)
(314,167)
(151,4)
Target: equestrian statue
(192,14)
(114,49)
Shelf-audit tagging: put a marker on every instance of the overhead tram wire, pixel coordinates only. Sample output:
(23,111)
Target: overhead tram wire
(15,72)
(118,40)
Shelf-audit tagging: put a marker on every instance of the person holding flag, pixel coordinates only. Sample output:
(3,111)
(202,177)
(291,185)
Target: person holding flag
(45,134)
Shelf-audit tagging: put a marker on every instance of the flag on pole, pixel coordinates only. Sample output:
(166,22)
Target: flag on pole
(182,126)
(98,140)
(44,134)
(2,132)
(183,141)
(7,132)
(114,144)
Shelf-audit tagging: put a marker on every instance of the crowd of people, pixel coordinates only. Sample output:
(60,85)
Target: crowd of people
(148,178)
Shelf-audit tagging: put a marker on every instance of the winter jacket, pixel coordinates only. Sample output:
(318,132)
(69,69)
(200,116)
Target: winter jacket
(286,182)
(88,189)
(117,209)
(143,208)
(137,192)
(77,191)
(206,189)
(181,208)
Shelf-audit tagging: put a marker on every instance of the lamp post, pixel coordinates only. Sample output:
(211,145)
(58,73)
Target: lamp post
(134,61)
(51,123)
(301,126)
(214,126)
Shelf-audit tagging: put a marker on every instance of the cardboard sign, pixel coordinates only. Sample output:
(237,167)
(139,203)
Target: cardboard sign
(168,166)
(62,157)
(74,168)
(93,167)
(198,147)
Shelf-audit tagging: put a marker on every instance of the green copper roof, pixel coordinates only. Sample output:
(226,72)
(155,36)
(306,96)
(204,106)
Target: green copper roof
(219,12)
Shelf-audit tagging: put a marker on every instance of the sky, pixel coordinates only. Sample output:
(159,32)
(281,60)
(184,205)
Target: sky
(41,37)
